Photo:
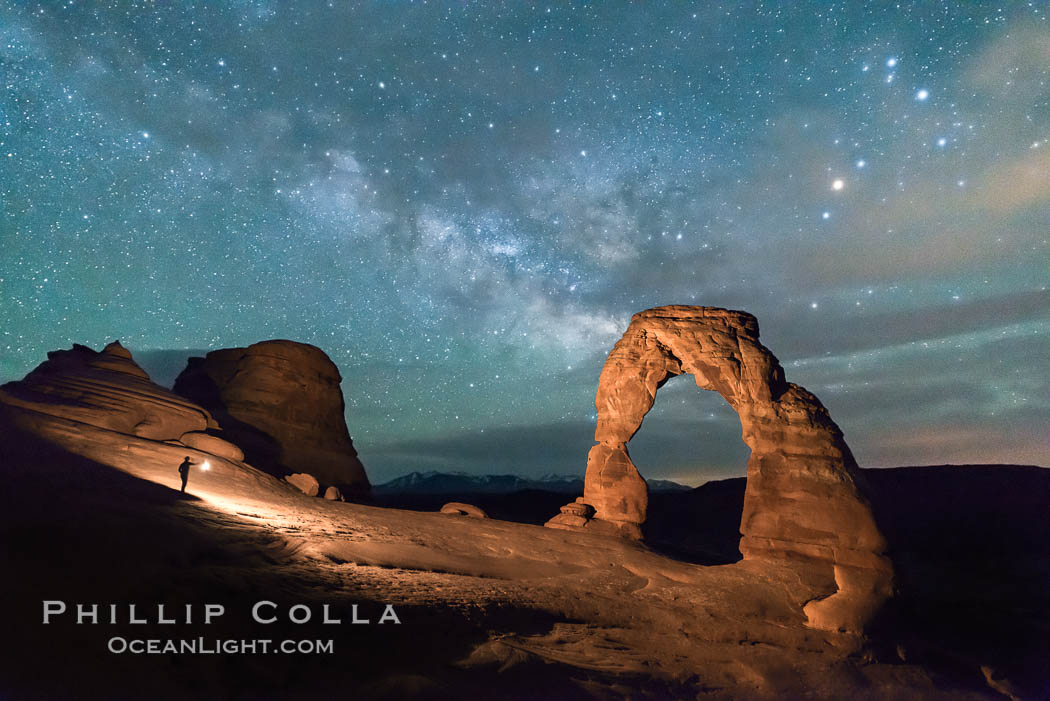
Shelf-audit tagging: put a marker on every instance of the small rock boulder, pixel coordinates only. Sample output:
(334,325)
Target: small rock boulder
(212,444)
(567,522)
(579,508)
(333,494)
(460,509)
(573,516)
(305,483)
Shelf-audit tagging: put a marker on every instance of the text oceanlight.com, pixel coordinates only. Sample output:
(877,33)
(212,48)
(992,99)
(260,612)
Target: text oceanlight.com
(214,646)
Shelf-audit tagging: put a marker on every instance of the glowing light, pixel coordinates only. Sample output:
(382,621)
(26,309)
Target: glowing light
(891,62)
(922,95)
(838,184)
(205,465)
(861,163)
(826,215)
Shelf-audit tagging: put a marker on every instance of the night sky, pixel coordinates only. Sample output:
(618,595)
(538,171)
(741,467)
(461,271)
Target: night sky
(464,203)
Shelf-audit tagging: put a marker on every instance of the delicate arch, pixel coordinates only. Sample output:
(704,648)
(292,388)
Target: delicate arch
(803,500)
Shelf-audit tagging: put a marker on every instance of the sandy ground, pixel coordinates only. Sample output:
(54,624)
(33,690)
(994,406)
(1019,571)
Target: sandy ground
(488,607)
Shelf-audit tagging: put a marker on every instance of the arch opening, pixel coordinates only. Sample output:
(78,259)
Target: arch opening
(693,437)
(690,436)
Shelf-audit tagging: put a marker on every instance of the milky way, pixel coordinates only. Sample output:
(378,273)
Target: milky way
(464,203)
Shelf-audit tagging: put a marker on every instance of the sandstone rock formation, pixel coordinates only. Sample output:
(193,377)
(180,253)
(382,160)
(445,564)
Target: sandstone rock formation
(460,509)
(333,494)
(803,503)
(573,515)
(281,402)
(212,444)
(307,484)
(105,389)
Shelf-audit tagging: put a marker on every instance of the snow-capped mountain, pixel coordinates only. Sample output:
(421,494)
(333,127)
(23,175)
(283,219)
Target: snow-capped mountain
(433,482)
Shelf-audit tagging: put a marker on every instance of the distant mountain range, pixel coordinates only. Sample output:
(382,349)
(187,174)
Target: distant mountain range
(433,482)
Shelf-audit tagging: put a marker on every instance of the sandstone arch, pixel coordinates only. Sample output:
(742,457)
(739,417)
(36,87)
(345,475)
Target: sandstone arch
(803,502)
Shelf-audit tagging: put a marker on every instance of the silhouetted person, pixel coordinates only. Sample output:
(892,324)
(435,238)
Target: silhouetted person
(184,471)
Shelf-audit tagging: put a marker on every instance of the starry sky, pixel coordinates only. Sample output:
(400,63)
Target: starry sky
(464,202)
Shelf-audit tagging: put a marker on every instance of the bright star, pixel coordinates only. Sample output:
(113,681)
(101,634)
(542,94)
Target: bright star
(826,215)
(942,142)
(922,95)
(838,184)
(861,163)
(891,62)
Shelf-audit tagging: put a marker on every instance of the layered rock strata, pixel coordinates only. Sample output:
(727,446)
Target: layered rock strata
(804,501)
(108,390)
(281,402)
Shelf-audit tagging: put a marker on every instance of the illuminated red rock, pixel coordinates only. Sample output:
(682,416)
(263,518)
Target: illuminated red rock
(281,402)
(333,494)
(307,484)
(573,516)
(460,509)
(106,389)
(212,444)
(804,502)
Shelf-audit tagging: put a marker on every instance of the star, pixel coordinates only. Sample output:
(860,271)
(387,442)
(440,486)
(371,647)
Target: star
(383,224)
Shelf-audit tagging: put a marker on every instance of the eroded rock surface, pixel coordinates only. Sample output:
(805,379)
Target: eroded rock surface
(307,484)
(212,444)
(803,503)
(460,509)
(281,402)
(572,516)
(106,389)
